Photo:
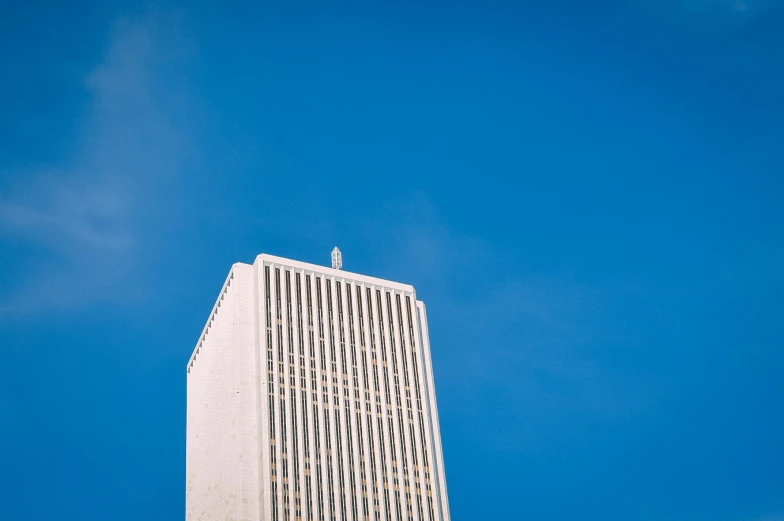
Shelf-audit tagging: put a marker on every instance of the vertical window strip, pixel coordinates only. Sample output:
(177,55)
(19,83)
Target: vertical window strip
(330,486)
(321,327)
(313,388)
(388,399)
(418,486)
(306,447)
(341,332)
(350,454)
(282,388)
(293,402)
(363,345)
(325,402)
(368,404)
(357,403)
(335,391)
(372,449)
(362,469)
(346,397)
(271,392)
(304,402)
(284,457)
(319,484)
(379,422)
(331,323)
(411,437)
(341,476)
(420,412)
(393,452)
(398,409)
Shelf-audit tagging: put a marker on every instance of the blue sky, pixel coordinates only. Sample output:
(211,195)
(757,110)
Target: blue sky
(589,196)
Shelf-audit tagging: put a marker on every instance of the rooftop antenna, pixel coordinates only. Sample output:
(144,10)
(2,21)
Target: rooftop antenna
(337,259)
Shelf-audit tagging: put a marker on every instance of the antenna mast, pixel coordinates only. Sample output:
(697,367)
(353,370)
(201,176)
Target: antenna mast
(337,259)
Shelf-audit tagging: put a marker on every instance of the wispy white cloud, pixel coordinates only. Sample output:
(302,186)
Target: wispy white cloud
(87,214)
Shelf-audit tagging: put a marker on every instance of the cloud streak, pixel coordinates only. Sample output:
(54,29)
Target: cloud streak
(86,216)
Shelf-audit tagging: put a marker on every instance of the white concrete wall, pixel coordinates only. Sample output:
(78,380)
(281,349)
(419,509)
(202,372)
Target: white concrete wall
(222,469)
(438,479)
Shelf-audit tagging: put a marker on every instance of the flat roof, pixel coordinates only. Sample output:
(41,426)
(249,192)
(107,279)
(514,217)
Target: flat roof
(266,257)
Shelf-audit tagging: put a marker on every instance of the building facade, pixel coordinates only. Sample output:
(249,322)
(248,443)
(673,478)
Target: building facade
(310,397)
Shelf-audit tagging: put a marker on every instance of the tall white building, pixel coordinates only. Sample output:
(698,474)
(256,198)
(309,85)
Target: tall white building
(311,397)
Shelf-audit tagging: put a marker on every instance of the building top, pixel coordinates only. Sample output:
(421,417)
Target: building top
(272,259)
(265,257)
